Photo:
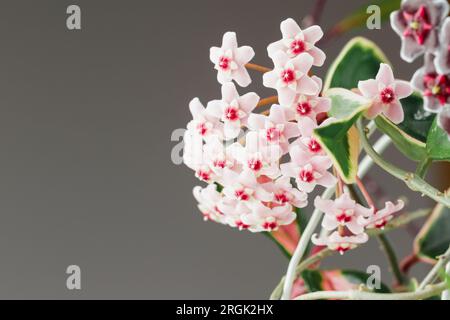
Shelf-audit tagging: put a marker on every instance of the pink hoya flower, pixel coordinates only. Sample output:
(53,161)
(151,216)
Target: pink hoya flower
(275,128)
(434,86)
(230,60)
(385,93)
(234,212)
(217,156)
(244,187)
(208,199)
(417,23)
(308,170)
(193,150)
(444,120)
(309,106)
(307,141)
(340,243)
(257,156)
(343,211)
(203,124)
(290,77)
(284,193)
(233,109)
(382,217)
(268,219)
(296,41)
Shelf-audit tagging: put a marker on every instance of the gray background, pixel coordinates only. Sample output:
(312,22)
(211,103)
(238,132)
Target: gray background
(85,172)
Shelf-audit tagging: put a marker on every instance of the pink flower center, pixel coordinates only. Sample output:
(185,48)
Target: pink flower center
(387,95)
(342,249)
(306,176)
(255,164)
(241,195)
(343,217)
(417,24)
(224,63)
(381,224)
(314,146)
(437,86)
(273,134)
(288,76)
(219,163)
(281,198)
(202,129)
(231,114)
(304,108)
(270,225)
(204,175)
(241,225)
(298,46)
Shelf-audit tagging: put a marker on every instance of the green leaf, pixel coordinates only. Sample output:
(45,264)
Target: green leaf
(412,148)
(438,144)
(359,60)
(337,280)
(434,238)
(340,139)
(417,122)
(359,18)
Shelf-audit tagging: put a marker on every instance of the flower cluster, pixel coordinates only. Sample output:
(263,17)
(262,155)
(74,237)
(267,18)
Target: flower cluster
(424,28)
(256,179)
(351,220)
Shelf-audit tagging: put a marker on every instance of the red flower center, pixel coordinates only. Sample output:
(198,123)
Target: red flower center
(314,146)
(306,176)
(417,24)
(219,163)
(255,164)
(281,198)
(270,225)
(202,129)
(231,114)
(204,175)
(273,134)
(288,76)
(304,108)
(298,46)
(387,95)
(224,63)
(437,86)
(342,217)
(241,195)
(241,225)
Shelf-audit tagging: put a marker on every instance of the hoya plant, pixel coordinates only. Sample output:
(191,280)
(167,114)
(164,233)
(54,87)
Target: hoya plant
(262,158)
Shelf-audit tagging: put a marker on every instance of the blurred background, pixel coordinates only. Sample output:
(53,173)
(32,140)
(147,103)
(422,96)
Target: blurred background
(85,143)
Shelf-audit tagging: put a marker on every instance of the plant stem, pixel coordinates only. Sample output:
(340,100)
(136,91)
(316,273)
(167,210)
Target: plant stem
(422,168)
(362,295)
(365,193)
(446,293)
(301,247)
(266,101)
(257,67)
(393,224)
(414,182)
(380,146)
(431,276)
(392,258)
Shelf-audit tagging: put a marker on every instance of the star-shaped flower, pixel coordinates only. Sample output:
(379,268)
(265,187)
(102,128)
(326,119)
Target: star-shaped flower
(385,93)
(208,199)
(417,23)
(285,193)
(290,77)
(382,217)
(203,124)
(233,109)
(435,87)
(343,211)
(296,41)
(275,128)
(268,219)
(308,170)
(340,243)
(230,60)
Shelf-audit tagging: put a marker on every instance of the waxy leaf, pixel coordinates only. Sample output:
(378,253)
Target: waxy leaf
(359,60)
(340,139)
(438,144)
(434,238)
